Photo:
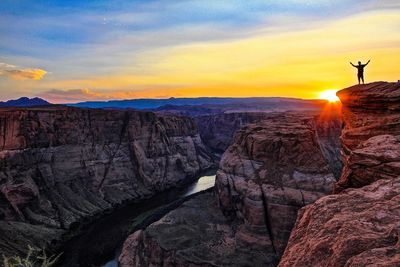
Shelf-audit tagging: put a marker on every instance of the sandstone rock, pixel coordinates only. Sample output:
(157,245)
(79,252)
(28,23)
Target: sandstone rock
(61,166)
(370,138)
(272,169)
(217,131)
(195,234)
(359,227)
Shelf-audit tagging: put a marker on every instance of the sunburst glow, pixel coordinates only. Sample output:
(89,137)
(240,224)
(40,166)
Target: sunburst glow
(329,95)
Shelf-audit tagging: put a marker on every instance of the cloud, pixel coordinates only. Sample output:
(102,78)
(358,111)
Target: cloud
(24,74)
(195,47)
(12,72)
(78,95)
(6,66)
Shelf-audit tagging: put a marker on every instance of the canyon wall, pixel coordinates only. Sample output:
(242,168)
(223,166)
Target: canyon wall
(272,169)
(370,138)
(360,225)
(217,131)
(62,167)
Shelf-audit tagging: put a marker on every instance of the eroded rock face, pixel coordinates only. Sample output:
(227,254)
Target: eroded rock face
(273,168)
(269,172)
(195,234)
(370,138)
(359,227)
(60,167)
(217,131)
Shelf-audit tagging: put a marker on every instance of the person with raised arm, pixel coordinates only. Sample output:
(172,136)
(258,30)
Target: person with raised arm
(360,72)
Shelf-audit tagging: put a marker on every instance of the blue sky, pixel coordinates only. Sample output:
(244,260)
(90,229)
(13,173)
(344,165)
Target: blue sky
(75,42)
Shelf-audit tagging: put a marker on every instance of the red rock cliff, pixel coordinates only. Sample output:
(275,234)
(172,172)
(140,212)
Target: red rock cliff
(271,170)
(62,166)
(360,226)
(370,138)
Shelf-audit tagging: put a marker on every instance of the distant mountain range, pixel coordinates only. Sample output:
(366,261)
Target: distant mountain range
(25,102)
(188,106)
(157,103)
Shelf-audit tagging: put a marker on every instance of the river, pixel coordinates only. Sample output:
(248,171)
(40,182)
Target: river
(101,241)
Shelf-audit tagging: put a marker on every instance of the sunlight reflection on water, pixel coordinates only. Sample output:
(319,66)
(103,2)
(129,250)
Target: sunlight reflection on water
(205,182)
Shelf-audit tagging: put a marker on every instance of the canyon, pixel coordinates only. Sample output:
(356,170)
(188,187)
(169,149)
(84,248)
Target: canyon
(217,131)
(315,187)
(273,168)
(63,167)
(360,224)
(276,200)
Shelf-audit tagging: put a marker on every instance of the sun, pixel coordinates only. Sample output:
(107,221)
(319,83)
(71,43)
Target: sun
(329,95)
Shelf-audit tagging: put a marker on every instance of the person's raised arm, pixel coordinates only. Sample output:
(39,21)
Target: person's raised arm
(352,64)
(367,62)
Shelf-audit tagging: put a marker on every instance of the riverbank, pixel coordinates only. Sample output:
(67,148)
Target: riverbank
(97,242)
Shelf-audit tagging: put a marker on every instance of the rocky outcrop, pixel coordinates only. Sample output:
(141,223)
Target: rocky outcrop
(371,136)
(195,234)
(269,172)
(359,226)
(62,167)
(217,131)
(272,169)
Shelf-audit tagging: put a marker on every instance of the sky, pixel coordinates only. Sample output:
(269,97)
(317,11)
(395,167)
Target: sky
(72,51)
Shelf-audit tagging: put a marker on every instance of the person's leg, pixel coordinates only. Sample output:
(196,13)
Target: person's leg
(362,78)
(359,78)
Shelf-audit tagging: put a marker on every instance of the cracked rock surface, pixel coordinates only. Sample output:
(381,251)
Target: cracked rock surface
(61,167)
(272,169)
(360,225)
(371,136)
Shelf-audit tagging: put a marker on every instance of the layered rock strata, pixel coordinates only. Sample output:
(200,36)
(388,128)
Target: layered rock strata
(360,225)
(371,136)
(272,169)
(61,167)
(217,131)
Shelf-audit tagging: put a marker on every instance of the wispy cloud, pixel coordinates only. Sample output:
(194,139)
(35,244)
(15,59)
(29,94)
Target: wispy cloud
(85,94)
(128,49)
(15,73)
(6,66)
(77,95)
(24,74)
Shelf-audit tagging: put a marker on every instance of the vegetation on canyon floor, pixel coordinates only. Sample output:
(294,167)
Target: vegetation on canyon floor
(34,258)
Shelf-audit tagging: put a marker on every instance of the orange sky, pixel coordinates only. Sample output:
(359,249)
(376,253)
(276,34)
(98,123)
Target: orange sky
(264,61)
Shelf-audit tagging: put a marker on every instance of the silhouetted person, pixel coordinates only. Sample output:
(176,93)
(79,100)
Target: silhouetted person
(360,68)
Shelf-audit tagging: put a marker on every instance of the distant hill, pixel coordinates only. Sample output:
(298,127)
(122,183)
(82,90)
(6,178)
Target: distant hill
(255,105)
(204,101)
(25,102)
